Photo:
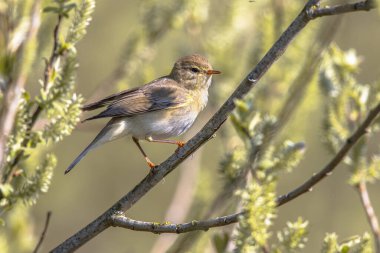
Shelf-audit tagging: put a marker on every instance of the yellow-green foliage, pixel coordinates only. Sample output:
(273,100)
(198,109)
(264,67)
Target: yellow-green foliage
(62,104)
(259,205)
(265,161)
(81,20)
(348,103)
(232,163)
(37,183)
(357,244)
(16,233)
(56,104)
(292,238)
(279,158)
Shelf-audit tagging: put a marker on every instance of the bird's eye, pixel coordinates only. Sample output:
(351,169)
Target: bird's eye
(195,70)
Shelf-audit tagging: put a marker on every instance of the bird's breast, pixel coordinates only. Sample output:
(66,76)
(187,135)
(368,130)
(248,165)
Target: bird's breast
(162,124)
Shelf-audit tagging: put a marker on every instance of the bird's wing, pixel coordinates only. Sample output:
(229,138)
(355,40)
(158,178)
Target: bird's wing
(163,93)
(108,100)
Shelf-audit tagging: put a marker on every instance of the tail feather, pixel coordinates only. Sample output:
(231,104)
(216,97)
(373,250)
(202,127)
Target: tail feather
(113,130)
(80,157)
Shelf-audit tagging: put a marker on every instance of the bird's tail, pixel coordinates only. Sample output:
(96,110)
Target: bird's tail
(80,156)
(113,130)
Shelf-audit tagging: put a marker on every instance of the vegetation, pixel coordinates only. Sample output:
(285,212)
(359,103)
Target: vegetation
(261,144)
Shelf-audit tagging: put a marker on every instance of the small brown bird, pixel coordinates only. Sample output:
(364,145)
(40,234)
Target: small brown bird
(163,108)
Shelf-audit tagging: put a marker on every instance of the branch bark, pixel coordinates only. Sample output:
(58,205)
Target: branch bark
(341,9)
(43,234)
(158,228)
(104,221)
(370,213)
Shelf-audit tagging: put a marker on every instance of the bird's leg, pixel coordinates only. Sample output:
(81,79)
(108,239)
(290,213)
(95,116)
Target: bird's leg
(148,161)
(180,144)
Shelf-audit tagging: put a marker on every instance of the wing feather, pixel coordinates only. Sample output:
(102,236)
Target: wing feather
(163,93)
(108,100)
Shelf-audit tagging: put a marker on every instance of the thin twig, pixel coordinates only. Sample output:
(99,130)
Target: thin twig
(158,228)
(43,234)
(103,221)
(341,9)
(327,170)
(370,212)
(55,52)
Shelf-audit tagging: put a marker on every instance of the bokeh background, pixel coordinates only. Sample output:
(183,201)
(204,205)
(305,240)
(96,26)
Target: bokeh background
(109,172)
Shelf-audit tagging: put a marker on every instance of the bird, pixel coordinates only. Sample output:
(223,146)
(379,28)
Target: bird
(163,108)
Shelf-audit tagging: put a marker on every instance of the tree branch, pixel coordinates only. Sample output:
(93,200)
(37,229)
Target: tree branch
(43,234)
(119,220)
(341,9)
(104,221)
(370,212)
(327,170)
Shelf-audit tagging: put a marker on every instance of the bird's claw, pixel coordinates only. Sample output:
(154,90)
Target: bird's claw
(180,145)
(151,165)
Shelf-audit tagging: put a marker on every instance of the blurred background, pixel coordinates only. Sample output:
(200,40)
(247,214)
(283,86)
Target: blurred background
(131,42)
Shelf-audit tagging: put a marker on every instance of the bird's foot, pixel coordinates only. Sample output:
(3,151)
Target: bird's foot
(180,145)
(151,165)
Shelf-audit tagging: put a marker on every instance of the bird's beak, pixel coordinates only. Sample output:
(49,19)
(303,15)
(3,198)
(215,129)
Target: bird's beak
(213,72)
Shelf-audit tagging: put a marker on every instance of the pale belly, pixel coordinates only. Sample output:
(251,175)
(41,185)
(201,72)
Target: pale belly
(161,124)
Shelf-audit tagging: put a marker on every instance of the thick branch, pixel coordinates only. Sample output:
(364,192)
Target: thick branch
(370,212)
(126,202)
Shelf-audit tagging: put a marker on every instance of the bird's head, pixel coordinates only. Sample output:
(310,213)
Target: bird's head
(194,72)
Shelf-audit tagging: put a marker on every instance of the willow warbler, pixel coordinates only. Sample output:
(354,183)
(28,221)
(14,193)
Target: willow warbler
(156,111)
